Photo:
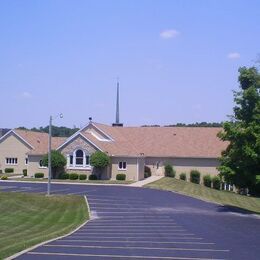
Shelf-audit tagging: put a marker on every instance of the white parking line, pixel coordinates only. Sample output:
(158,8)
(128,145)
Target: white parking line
(134,233)
(138,241)
(139,237)
(8,187)
(125,256)
(144,248)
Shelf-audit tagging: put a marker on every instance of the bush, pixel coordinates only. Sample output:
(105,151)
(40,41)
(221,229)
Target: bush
(9,170)
(24,172)
(99,159)
(73,176)
(82,176)
(183,176)
(147,172)
(38,175)
(207,180)
(4,178)
(64,176)
(216,182)
(1,171)
(169,171)
(120,177)
(92,177)
(195,176)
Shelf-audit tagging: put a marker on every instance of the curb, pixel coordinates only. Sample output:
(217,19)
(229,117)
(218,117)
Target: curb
(50,240)
(71,183)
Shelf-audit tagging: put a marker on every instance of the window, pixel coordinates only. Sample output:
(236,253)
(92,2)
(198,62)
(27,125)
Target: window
(79,157)
(11,161)
(26,161)
(122,166)
(41,164)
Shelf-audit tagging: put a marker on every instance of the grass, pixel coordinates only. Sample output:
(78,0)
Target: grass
(28,219)
(74,181)
(201,192)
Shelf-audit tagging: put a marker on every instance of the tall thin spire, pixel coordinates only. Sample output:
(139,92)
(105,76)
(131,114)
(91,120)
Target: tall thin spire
(117,123)
(117,103)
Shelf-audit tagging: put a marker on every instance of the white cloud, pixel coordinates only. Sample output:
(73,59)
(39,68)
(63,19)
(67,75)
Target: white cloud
(168,34)
(26,94)
(233,55)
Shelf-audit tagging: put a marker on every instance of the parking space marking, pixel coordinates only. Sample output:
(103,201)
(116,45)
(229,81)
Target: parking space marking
(124,256)
(143,248)
(138,241)
(8,187)
(139,237)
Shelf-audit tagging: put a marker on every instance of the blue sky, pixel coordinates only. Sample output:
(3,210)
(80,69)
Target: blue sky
(177,61)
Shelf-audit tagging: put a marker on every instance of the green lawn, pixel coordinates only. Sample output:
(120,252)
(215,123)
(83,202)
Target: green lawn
(28,219)
(74,181)
(202,192)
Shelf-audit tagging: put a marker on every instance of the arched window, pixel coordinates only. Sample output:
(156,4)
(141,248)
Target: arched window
(79,157)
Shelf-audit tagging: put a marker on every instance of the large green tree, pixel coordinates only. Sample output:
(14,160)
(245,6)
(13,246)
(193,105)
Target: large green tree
(240,162)
(58,161)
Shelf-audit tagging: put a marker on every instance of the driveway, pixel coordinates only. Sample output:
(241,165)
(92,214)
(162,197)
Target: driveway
(137,223)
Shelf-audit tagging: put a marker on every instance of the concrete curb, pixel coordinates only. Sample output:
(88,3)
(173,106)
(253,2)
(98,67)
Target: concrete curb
(50,240)
(71,183)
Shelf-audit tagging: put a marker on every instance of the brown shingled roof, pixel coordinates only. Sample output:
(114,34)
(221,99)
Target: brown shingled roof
(39,141)
(191,142)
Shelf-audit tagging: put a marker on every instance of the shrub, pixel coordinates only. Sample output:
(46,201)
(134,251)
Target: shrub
(207,180)
(73,176)
(195,176)
(64,176)
(216,182)
(147,172)
(169,171)
(38,175)
(92,177)
(120,177)
(82,176)
(1,171)
(24,172)
(183,176)
(9,170)
(4,178)
(99,159)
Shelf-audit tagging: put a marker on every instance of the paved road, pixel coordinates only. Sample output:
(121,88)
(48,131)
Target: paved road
(137,223)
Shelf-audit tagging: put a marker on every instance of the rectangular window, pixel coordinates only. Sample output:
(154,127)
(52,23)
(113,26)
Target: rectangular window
(71,159)
(79,161)
(11,161)
(26,161)
(122,165)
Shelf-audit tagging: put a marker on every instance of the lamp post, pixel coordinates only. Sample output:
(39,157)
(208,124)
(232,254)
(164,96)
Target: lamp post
(49,155)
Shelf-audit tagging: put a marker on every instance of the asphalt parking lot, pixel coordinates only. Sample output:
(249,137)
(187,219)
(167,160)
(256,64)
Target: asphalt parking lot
(137,223)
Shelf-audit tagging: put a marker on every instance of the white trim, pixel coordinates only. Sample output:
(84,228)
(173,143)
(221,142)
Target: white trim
(100,139)
(14,159)
(108,136)
(13,131)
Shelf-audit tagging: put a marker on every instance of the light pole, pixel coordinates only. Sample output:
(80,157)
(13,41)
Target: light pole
(49,155)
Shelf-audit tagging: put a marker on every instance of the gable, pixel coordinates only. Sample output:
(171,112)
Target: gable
(78,142)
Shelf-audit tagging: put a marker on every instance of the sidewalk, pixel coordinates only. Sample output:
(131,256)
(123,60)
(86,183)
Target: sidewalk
(145,181)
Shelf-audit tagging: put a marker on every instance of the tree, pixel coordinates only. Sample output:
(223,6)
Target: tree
(99,160)
(58,161)
(240,162)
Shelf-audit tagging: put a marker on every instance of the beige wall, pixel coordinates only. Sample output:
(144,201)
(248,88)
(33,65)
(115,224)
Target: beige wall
(34,167)
(131,171)
(204,165)
(14,147)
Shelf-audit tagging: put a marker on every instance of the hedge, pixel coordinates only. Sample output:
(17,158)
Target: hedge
(207,181)
(24,172)
(38,175)
(169,171)
(195,176)
(120,177)
(82,176)
(92,177)
(183,176)
(4,178)
(9,170)
(216,182)
(73,176)
(64,176)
